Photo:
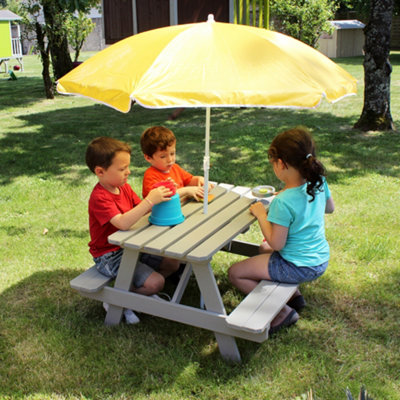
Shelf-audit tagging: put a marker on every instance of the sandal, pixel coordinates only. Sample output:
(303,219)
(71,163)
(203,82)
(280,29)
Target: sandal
(297,303)
(291,319)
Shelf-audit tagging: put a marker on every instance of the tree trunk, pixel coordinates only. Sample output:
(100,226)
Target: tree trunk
(60,57)
(58,43)
(377,69)
(44,55)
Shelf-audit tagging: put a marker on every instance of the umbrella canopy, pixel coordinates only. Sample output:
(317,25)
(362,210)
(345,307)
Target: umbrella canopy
(209,64)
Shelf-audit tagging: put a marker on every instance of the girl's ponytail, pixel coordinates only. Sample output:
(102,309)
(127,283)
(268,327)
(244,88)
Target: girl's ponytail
(296,148)
(312,171)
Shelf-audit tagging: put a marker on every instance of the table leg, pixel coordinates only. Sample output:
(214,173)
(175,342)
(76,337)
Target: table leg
(123,281)
(213,302)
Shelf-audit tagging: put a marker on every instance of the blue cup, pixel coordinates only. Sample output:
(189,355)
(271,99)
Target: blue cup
(167,213)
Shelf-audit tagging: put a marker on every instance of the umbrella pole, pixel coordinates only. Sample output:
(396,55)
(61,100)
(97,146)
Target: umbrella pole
(206,160)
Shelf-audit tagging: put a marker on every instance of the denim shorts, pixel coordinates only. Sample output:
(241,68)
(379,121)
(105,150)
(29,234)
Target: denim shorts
(108,265)
(284,271)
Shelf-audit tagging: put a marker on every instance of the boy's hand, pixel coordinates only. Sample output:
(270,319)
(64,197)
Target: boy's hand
(159,194)
(200,182)
(197,192)
(258,210)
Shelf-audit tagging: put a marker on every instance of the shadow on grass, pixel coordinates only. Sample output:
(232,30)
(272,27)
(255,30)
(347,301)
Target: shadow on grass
(49,144)
(54,341)
(23,92)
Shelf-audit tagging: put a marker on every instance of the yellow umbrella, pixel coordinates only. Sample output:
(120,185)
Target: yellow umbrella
(209,64)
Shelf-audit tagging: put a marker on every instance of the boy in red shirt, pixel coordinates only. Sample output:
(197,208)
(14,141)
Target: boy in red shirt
(159,149)
(113,205)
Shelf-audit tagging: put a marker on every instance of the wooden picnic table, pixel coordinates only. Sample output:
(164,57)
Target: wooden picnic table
(194,242)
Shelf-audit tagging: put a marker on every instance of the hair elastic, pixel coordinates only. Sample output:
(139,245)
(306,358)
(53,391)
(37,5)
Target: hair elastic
(308,155)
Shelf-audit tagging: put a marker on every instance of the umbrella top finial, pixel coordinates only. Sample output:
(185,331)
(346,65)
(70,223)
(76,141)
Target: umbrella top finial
(210,18)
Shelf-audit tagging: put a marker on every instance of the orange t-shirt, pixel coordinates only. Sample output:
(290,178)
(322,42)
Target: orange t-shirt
(153,175)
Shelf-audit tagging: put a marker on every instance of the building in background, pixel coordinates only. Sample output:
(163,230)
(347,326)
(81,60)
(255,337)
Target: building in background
(347,40)
(124,18)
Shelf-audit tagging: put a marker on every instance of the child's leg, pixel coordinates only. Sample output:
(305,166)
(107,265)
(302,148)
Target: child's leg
(246,274)
(153,284)
(168,266)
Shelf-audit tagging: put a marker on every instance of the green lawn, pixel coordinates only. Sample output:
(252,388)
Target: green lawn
(53,344)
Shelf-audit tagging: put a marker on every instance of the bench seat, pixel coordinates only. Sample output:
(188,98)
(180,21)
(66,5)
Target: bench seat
(260,306)
(90,281)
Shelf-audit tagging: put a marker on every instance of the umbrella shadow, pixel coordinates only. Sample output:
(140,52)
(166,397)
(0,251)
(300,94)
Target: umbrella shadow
(239,142)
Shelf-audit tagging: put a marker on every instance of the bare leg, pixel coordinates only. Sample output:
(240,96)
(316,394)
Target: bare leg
(246,274)
(153,284)
(168,266)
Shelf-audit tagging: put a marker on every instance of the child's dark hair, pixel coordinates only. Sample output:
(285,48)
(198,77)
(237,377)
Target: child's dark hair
(156,138)
(101,151)
(296,147)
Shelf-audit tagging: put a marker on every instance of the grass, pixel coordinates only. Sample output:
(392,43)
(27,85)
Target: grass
(53,344)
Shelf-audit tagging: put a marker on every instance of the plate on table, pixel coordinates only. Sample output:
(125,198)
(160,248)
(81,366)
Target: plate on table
(263,191)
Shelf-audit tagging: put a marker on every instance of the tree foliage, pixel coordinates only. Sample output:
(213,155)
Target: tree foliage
(78,27)
(46,22)
(302,19)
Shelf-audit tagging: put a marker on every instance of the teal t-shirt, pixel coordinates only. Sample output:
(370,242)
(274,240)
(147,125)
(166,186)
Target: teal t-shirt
(306,244)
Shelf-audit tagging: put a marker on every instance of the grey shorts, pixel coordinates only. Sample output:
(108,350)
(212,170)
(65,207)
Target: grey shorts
(108,265)
(284,271)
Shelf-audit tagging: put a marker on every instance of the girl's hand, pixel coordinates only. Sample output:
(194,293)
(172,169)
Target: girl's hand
(258,210)
(158,195)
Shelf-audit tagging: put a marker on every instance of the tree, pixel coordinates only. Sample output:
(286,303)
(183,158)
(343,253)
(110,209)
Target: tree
(305,20)
(78,27)
(302,19)
(377,69)
(50,35)
(56,14)
(30,10)
(55,17)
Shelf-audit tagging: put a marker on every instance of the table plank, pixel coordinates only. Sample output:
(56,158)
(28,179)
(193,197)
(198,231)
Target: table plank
(177,232)
(204,231)
(214,243)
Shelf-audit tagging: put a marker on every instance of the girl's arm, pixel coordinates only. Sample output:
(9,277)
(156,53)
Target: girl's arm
(274,234)
(126,220)
(330,206)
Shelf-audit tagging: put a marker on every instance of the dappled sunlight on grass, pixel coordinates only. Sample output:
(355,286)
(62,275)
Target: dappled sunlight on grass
(53,343)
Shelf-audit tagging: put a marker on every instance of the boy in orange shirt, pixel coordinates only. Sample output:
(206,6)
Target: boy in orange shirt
(159,148)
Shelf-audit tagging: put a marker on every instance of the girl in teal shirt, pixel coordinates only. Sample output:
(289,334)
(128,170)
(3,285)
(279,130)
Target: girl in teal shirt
(295,249)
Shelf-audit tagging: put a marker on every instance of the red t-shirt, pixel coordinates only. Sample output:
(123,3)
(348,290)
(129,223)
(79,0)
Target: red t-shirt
(153,175)
(103,206)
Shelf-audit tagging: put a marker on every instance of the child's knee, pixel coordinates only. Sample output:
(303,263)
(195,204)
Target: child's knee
(171,265)
(154,283)
(232,274)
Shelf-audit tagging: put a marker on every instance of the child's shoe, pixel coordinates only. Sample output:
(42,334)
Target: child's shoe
(130,317)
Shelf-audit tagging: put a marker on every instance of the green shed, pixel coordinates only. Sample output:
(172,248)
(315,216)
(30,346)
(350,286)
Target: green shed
(10,38)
